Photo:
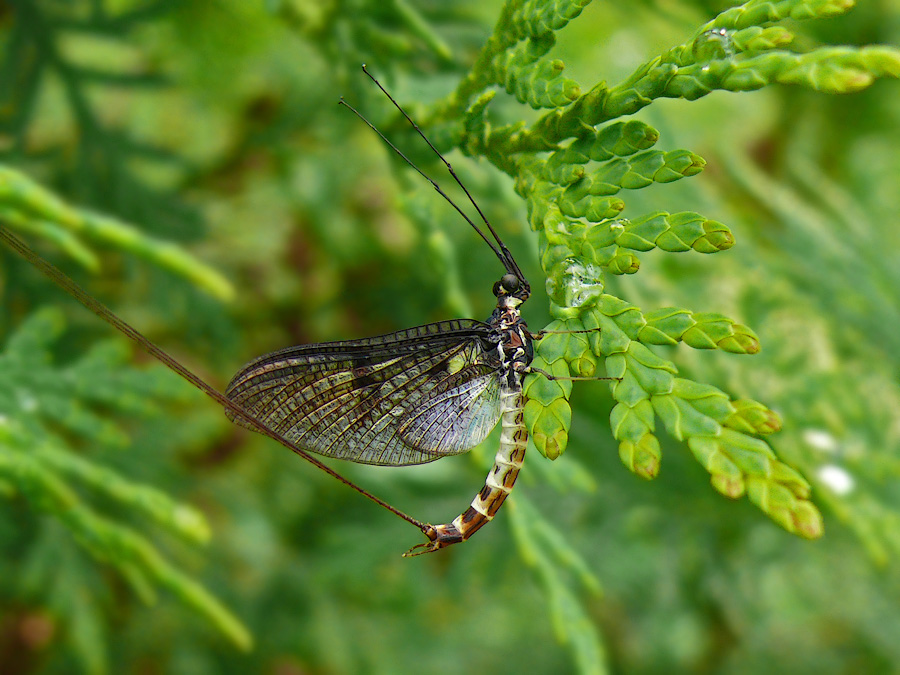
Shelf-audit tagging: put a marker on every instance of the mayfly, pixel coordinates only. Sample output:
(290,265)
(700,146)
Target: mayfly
(413,396)
(408,397)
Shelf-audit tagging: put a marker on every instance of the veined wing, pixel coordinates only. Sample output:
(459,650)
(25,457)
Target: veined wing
(404,398)
(457,415)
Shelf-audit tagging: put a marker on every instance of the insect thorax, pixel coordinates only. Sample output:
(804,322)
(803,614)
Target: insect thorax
(514,345)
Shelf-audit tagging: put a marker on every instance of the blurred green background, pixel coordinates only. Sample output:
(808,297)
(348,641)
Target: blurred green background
(214,125)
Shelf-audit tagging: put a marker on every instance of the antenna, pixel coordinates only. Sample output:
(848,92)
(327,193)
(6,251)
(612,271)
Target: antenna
(503,253)
(425,176)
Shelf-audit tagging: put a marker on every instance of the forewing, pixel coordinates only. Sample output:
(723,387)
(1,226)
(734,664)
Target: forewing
(380,400)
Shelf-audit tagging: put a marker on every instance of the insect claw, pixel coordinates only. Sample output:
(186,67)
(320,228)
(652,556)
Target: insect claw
(439,537)
(430,546)
(426,547)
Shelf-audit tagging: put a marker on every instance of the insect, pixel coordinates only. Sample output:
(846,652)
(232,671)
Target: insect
(408,397)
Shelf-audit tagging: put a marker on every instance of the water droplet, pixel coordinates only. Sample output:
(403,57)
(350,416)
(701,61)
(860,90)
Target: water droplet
(713,45)
(575,284)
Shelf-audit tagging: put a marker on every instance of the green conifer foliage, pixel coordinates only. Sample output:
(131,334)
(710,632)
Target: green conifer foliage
(571,205)
(132,132)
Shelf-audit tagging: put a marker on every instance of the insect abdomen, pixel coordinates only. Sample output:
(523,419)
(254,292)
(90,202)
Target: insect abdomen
(497,485)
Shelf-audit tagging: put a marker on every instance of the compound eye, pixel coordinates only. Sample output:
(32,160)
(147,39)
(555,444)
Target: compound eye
(510,282)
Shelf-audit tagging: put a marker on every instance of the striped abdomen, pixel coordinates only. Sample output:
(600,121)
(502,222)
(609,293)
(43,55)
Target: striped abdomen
(497,485)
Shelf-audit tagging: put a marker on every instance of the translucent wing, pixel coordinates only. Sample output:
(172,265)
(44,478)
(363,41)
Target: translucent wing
(405,398)
(458,417)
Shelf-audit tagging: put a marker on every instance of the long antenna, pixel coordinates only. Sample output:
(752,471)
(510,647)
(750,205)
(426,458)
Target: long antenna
(504,254)
(438,153)
(425,176)
(69,286)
